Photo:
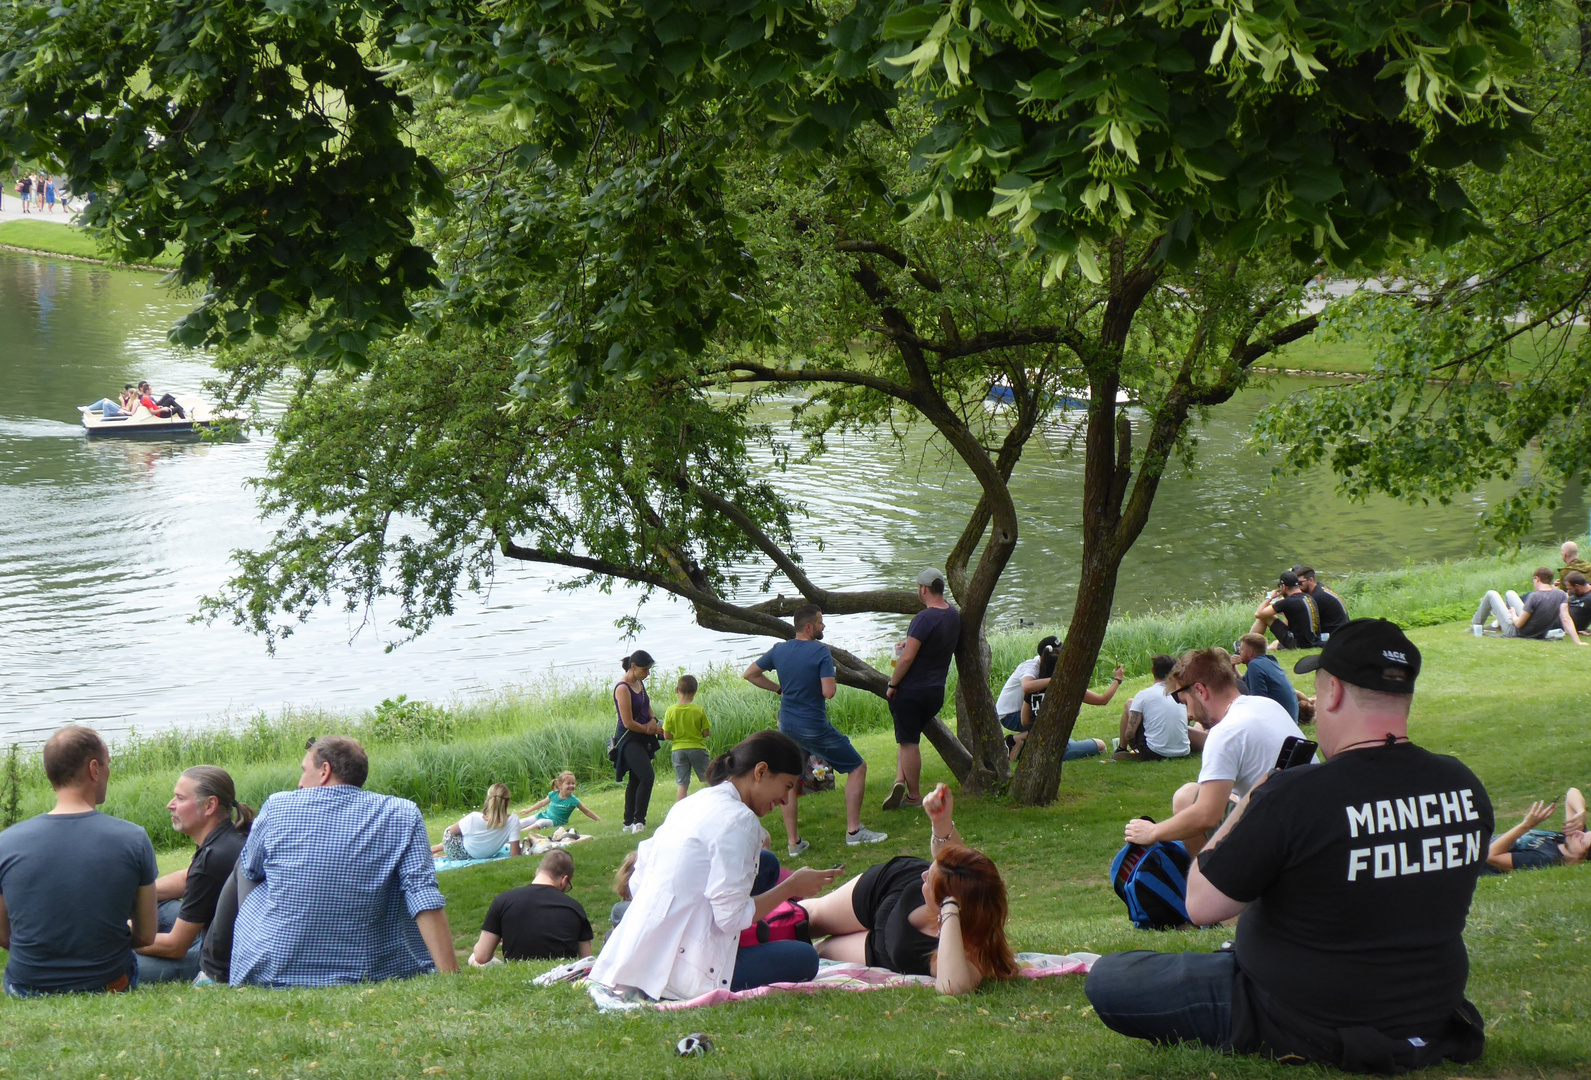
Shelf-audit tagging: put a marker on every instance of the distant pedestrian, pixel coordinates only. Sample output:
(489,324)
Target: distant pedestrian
(917,685)
(49,194)
(25,193)
(38,193)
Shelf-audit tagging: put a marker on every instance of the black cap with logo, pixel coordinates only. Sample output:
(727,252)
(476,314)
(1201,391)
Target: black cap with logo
(1372,653)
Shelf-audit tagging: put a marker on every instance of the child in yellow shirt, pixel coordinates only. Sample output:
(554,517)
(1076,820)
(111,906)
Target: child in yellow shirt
(685,723)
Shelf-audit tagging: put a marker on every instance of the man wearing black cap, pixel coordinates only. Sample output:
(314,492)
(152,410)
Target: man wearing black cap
(1354,879)
(1299,615)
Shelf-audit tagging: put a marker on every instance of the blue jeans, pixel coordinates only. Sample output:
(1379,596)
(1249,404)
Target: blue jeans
(777,961)
(107,407)
(1165,997)
(14,990)
(158,969)
(1075,748)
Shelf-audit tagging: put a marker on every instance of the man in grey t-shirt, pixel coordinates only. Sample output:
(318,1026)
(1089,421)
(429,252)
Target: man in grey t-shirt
(1530,617)
(71,879)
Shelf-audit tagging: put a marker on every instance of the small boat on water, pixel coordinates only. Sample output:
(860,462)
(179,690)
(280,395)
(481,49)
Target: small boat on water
(142,423)
(1000,393)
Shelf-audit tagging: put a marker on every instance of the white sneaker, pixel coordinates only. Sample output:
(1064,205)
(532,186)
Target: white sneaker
(864,835)
(797,848)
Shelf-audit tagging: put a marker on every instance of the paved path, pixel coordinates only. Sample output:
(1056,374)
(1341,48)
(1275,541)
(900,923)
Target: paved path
(11,210)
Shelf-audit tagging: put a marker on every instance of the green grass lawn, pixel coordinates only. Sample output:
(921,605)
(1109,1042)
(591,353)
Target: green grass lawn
(1354,357)
(60,240)
(1513,710)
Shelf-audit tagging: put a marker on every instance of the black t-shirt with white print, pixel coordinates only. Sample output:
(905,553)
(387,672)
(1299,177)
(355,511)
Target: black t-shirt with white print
(1358,875)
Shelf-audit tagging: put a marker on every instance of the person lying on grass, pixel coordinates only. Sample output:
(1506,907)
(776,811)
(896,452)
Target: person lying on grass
(1525,847)
(944,918)
(482,833)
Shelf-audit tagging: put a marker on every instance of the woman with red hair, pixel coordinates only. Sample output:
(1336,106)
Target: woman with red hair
(944,918)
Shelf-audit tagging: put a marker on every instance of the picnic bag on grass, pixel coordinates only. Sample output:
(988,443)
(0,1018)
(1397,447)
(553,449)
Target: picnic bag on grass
(1153,882)
(787,922)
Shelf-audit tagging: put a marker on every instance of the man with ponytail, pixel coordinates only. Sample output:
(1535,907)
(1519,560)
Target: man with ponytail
(204,807)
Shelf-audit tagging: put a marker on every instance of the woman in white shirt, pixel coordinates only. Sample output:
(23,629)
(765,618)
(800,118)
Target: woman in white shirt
(705,876)
(482,834)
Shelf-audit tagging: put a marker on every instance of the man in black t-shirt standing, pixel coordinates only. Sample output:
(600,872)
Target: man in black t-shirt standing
(1354,880)
(917,685)
(1300,617)
(539,921)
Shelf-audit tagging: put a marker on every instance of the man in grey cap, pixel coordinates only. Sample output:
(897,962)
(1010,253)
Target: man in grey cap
(1354,880)
(917,685)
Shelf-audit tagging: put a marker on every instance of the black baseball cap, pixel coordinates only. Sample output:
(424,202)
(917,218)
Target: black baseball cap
(1289,579)
(1372,653)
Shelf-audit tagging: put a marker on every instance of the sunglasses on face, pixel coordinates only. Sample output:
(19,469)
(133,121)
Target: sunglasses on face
(1176,695)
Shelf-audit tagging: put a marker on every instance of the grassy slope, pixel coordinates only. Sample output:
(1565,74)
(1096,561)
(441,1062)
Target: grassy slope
(1354,357)
(1530,976)
(59,240)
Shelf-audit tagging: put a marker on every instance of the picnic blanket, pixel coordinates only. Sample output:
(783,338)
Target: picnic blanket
(539,846)
(832,975)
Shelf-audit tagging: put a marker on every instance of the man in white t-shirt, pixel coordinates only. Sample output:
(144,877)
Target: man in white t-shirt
(1246,735)
(1153,727)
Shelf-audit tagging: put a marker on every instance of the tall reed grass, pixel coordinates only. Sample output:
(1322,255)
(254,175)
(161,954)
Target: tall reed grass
(525,736)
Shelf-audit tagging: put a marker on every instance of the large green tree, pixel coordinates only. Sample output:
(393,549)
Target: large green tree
(1161,176)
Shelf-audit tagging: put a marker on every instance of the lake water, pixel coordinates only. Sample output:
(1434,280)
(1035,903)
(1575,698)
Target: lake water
(107,546)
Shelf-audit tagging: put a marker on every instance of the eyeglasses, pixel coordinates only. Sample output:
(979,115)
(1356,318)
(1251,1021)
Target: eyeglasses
(1176,695)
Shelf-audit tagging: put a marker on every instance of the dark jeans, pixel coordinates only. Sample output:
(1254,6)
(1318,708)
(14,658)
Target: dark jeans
(1165,997)
(638,789)
(777,961)
(158,969)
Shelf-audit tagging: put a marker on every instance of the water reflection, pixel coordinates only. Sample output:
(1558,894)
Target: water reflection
(106,546)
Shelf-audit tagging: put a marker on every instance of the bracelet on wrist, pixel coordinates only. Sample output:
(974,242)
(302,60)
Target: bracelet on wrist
(937,838)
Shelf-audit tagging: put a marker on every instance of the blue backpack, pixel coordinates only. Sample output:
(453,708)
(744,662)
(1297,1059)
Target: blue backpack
(1153,882)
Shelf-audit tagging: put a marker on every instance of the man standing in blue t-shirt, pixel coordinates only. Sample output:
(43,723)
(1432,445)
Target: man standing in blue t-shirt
(806,682)
(917,685)
(77,887)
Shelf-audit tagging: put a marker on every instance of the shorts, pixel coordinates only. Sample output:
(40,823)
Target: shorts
(453,847)
(914,709)
(1012,721)
(687,760)
(827,743)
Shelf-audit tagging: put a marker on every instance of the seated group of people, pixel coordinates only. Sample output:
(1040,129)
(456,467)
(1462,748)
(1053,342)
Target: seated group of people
(1559,605)
(135,397)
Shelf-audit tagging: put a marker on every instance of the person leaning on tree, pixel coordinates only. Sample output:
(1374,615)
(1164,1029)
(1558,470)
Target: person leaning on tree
(1353,879)
(917,684)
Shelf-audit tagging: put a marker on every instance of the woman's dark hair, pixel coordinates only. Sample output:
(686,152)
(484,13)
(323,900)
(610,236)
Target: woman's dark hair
(777,749)
(639,658)
(213,780)
(1047,659)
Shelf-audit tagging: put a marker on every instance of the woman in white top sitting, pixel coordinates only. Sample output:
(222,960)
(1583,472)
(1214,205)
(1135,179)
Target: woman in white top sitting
(482,834)
(705,876)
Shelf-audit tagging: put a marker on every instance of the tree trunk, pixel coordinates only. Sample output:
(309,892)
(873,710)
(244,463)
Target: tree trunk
(977,725)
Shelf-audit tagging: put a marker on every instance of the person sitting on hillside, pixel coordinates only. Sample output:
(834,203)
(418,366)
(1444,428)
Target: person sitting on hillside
(204,807)
(539,921)
(1300,617)
(1525,847)
(944,918)
(1246,735)
(1033,691)
(1333,612)
(1575,614)
(1153,727)
(1572,563)
(555,809)
(77,887)
(343,886)
(481,834)
(1027,682)
(621,889)
(1531,617)
(1264,676)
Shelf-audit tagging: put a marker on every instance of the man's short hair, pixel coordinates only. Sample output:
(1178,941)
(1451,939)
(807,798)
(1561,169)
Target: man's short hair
(1212,667)
(805,616)
(686,685)
(1543,574)
(68,752)
(348,760)
(1255,642)
(1161,665)
(1304,571)
(557,863)
(1575,577)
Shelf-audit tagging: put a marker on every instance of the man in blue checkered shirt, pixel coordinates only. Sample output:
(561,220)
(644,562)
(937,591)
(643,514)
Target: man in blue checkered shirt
(340,883)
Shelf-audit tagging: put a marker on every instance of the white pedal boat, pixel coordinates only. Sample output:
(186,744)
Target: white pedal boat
(143,423)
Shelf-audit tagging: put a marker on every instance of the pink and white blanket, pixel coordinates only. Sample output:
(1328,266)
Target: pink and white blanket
(831,976)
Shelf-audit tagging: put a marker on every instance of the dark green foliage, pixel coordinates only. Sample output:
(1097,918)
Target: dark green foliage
(11,789)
